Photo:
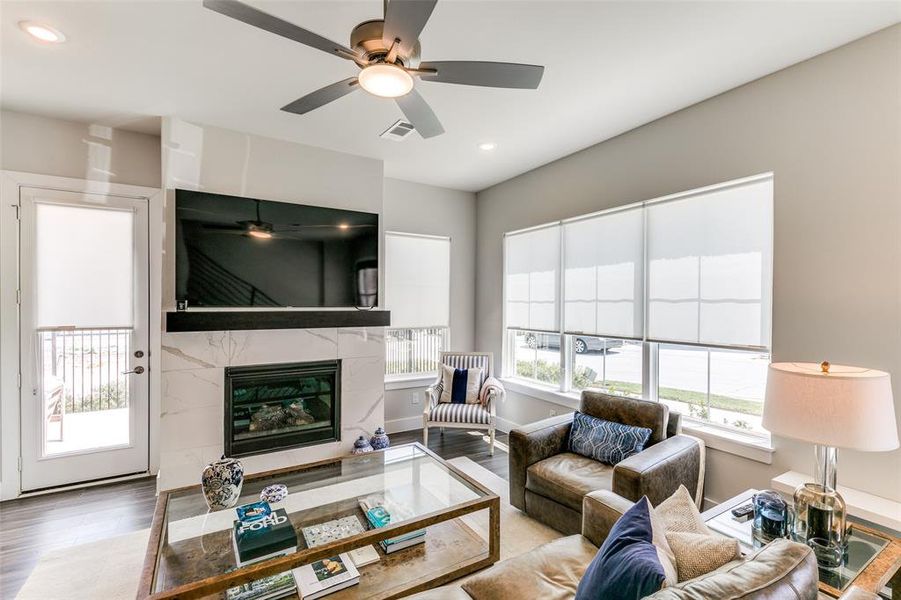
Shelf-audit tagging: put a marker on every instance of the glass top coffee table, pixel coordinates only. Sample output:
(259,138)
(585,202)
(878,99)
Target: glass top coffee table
(190,553)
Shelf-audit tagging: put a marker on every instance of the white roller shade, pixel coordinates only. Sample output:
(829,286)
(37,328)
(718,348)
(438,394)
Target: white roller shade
(710,267)
(417,280)
(603,276)
(84,261)
(532,283)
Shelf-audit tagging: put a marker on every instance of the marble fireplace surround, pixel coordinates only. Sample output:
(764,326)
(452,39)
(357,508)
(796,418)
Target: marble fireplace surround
(193,398)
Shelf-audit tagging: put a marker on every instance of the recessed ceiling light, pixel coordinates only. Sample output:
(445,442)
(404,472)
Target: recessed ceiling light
(487,146)
(42,33)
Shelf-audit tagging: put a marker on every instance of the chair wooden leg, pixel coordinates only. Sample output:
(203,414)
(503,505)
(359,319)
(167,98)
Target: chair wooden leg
(442,431)
(425,435)
(491,442)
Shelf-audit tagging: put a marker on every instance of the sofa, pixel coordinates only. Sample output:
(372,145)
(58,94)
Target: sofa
(548,482)
(781,570)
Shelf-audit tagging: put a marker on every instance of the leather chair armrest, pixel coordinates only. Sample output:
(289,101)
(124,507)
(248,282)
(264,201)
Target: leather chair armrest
(658,471)
(600,510)
(530,444)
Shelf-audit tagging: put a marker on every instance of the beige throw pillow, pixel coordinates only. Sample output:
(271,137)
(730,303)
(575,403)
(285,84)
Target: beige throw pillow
(473,381)
(664,552)
(679,513)
(698,554)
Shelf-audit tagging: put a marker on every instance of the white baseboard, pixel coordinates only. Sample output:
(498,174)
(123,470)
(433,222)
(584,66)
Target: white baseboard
(506,426)
(404,424)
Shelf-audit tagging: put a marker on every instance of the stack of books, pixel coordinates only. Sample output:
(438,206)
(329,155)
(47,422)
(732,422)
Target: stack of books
(260,533)
(325,576)
(379,516)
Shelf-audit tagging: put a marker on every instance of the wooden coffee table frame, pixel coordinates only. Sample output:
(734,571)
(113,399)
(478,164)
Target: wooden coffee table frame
(273,566)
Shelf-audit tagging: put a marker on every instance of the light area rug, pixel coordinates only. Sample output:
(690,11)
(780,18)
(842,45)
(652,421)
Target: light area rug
(110,569)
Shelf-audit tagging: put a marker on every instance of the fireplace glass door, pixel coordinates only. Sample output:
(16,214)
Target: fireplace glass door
(274,407)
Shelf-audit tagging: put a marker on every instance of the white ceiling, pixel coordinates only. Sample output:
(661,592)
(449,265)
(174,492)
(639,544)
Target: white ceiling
(610,66)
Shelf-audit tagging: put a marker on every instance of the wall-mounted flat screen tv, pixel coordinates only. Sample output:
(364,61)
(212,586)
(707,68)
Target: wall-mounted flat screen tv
(244,252)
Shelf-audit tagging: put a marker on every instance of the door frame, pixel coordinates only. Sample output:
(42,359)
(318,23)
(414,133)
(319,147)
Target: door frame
(10,361)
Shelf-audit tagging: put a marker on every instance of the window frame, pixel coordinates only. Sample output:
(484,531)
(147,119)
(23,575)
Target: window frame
(650,348)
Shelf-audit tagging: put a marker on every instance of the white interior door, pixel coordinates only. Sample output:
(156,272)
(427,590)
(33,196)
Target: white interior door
(84,336)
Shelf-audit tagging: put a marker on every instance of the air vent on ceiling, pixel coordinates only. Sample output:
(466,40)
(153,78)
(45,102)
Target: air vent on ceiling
(398,131)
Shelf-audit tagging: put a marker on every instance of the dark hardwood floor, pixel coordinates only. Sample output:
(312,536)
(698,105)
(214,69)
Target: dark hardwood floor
(29,527)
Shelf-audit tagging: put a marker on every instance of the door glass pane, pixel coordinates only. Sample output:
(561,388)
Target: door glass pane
(85,395)
(84,259)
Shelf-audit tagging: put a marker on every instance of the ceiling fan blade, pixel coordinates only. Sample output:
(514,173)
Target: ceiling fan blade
(404,20)
(420,114)
(322,96)
(252,16)
(488,74)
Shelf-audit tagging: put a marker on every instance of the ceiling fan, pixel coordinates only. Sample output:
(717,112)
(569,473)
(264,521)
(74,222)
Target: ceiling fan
(260,229)
(387,52)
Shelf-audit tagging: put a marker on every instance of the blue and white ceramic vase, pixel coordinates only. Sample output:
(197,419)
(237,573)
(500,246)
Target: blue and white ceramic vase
(380,440)
(361,446)
(221,482)
(274,493)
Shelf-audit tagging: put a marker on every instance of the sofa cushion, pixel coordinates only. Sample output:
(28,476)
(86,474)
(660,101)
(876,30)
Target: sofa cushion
(627,567)
(606,441)
(567,477)
(549,572)
(629,411)
(781,569)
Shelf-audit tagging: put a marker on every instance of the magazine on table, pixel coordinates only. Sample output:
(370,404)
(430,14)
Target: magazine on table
(338,529)
(325,576)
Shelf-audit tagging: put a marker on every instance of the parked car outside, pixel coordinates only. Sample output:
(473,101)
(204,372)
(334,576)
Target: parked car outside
(580,344)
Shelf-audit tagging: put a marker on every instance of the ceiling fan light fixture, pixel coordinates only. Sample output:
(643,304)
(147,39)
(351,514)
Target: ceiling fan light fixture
(261,232)
(386,80)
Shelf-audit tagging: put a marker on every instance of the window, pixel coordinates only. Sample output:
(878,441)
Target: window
(724,387)
(417,292)
(608,364)
(669,299)
(536,356)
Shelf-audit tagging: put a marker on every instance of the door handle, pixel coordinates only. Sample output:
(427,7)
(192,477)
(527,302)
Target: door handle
(137,371)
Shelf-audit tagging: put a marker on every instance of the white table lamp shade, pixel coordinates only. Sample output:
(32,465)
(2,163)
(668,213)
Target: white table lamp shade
(846,407)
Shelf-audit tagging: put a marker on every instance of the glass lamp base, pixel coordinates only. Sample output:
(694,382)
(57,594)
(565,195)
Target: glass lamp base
(820,513)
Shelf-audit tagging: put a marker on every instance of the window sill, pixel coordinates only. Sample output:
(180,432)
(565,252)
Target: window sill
(405,382)
(752,447)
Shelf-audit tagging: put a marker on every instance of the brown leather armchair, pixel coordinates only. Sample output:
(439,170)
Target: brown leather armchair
(548,482)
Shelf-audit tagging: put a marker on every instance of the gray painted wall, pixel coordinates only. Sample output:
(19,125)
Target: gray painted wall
(34,144)
(418,208)
(830,130)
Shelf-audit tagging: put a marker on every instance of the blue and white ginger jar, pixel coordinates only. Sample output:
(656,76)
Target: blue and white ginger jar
(380,440)
(361,446)
(221,482)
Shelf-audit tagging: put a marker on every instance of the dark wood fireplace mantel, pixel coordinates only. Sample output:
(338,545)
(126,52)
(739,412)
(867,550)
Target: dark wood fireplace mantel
(197,320)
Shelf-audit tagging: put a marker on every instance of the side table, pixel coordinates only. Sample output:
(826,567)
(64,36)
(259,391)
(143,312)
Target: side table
(874,557)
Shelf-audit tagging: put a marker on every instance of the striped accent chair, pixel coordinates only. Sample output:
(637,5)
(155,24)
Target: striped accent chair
(463,416)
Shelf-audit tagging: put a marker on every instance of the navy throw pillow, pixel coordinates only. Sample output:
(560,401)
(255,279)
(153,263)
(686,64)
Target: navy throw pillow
(626,567)
(606,441)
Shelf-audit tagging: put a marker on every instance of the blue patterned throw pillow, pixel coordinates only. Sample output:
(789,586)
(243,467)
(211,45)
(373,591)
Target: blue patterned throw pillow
(627,566)
(606,441)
